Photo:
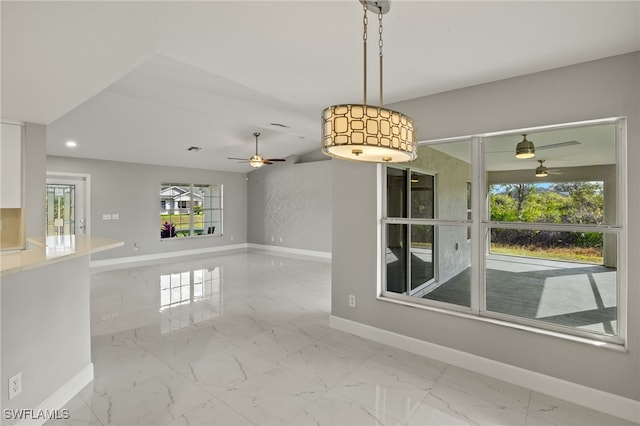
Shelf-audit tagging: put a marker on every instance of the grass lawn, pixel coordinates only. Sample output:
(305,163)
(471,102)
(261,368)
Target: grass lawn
(181,221)
(575,254)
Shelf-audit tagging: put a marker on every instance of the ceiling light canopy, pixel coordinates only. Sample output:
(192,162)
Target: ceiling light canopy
(541,170)
(525,148)
(362,132)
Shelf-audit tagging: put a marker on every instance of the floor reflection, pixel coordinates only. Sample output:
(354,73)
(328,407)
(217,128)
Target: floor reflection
(196,295)
(244,339)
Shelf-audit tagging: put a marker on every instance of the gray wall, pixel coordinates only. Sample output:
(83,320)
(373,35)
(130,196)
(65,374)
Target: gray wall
(35,178)
(292,201)
(604,88)
(452,175)
(133,191)
(41,336)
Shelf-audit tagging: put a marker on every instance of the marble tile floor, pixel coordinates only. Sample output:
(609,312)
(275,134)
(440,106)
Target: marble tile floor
(243,339)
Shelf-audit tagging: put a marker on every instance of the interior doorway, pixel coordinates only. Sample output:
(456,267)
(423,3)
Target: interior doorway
(67,204)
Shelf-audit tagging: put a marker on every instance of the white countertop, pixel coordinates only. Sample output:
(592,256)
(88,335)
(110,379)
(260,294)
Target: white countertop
(49,250)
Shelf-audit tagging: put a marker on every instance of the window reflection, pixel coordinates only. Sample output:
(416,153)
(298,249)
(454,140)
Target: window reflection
(192,296)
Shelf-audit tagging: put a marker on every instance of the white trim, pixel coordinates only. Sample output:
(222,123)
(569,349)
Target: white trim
(231,247)
(86,178)
(291,251)
(595,399)
(520,131)
(60,397)
(13,122)
(165,255)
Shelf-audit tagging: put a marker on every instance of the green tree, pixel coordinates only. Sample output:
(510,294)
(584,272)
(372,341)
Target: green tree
(503,208)
(548,207)
(587,199)
(519,192)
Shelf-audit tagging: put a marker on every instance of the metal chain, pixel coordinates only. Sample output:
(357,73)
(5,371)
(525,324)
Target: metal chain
(365,22)
(380,29)
(380,49)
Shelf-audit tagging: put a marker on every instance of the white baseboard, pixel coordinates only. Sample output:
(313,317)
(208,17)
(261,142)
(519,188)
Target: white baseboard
(605,402)
(287,251)
(291,251)
(59,398)
(164,255)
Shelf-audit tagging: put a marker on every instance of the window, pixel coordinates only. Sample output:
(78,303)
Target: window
(548,251)
(469,211)
(190,210)
(409,243)
(426,227)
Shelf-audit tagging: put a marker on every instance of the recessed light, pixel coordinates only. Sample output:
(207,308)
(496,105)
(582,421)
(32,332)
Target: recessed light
(71,144)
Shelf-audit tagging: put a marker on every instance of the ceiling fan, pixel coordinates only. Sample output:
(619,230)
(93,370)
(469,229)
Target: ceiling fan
(543,147)
(543,171)
(256,160)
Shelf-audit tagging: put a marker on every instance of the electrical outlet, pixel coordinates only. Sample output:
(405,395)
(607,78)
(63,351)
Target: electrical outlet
(15,385)
(280,239)
(352,301)
(231,238)
(272,239)
(135,246)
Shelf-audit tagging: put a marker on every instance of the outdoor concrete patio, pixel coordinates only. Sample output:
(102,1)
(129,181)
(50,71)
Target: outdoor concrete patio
(576,295)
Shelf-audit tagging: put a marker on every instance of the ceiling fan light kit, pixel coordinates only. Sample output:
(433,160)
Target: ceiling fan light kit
(256,161)
(362,132)
(525,148)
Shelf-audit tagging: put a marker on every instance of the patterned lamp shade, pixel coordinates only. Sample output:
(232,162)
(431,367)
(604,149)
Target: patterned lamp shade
(367,133)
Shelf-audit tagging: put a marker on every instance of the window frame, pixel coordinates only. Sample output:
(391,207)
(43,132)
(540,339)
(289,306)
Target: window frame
(409,221)
(481,225)
(191,207)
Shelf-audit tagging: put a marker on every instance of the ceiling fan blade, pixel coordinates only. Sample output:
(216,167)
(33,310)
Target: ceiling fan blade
(266,162)
(275,159)
(558,145)
(235,158)
(541,147)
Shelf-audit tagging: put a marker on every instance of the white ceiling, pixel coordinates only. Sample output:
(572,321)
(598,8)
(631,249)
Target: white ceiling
(143,81)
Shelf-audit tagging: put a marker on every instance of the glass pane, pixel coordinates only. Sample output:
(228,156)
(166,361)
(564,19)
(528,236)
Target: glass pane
(396,192)
(453,263)
(422,271)
(208,214)
(569,202)
(422,196)
(564,278)
(571,179)
(396,258)
(450,163)
(175,208)
(60,209)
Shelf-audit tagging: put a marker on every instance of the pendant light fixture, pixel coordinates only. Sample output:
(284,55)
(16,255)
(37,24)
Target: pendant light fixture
(541,170)
(525,148)
(362,132)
